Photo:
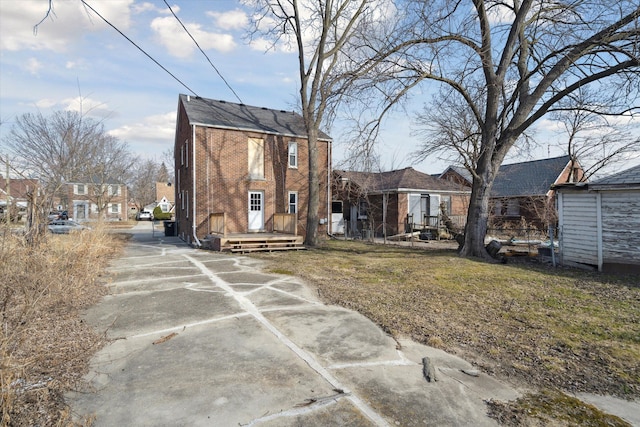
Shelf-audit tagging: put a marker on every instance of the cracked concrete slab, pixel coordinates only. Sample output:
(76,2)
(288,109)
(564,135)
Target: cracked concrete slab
(208,339)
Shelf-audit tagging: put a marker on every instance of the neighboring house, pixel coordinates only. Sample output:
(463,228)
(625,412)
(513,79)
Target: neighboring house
(165,196)
(395,202)
(84,200)
(521,193)
(17,195)
(243,169)
(457,174)
(599,223)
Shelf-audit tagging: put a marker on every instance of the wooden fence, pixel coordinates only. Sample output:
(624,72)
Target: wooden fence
(217,223)
(285,223)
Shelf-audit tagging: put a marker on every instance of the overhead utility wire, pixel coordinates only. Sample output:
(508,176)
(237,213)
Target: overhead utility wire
(205,55)
(168,72)
(139,48)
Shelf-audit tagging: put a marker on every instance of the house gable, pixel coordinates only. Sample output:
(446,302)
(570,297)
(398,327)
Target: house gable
(233,159)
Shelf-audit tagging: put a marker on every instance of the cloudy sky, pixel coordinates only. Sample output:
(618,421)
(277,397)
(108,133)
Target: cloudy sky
(74,60)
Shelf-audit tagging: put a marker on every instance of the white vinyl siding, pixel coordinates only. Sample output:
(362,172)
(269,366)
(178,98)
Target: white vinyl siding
(578,227)
(256,158)
(620,226)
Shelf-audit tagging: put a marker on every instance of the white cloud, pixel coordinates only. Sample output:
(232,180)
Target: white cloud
(231,20)
(172,36)
(88,106)
(157,128)
(150,7)
(66,23)
(33,66)
(79,64)
(45,103)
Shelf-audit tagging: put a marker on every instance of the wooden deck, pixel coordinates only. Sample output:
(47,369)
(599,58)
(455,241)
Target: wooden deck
(254,242)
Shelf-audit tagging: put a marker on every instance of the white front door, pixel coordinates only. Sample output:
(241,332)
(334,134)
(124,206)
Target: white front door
(256,210)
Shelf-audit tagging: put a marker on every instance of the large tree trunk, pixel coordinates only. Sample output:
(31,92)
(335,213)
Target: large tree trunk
(477,220)
(311,238)
(478,214)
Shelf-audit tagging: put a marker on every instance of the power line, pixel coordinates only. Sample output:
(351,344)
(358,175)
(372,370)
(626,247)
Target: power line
(213,111)
(205,55)
(139,48)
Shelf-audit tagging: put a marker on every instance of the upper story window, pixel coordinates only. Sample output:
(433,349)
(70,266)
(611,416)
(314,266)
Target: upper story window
(114,190)
(256,158)
(293,154)
(80,189)
(115,208)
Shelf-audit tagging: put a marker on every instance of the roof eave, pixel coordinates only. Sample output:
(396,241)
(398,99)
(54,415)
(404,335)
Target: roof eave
(242,129)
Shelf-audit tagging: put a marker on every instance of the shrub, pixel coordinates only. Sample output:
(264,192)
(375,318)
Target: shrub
(159,215)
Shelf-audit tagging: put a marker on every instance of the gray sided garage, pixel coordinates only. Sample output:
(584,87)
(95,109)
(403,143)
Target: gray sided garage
(599,222)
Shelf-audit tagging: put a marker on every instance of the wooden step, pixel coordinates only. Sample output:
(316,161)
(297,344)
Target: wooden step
(244,249)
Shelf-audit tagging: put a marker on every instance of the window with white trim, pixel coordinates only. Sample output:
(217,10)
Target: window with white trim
(293,154)
(293,202)
(115,208)
(80,189)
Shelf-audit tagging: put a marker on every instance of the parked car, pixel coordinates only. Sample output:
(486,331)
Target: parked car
(66,226)
(144,215)
(53,215)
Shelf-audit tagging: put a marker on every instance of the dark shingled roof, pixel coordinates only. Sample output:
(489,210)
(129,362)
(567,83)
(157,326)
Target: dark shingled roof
(533,178)
(407,178)
(463,172)
(228,115)
(625,177)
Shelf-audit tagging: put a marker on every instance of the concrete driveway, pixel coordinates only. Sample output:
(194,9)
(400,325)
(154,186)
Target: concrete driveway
(208,339)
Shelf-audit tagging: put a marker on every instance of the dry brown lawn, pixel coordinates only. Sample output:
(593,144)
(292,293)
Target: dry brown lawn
(551,329)
(548,329)
(44,345)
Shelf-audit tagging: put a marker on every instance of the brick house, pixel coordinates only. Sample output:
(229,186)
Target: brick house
(84,199)
(14,193)
(396,202)
(521,193)
(243,167)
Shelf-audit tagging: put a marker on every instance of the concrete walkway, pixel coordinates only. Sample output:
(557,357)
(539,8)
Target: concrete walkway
(208,339)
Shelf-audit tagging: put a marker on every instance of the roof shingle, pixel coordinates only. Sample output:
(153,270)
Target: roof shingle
(407,178)
(625,177)
(228,115)
(533,178)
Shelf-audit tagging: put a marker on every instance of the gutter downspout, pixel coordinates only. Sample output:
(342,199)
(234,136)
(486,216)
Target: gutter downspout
(599,229)
(193,165)
(329,213)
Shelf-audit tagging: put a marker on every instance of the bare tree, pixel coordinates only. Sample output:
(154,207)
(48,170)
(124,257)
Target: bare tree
(66,147)
(319,30)
(594,140)
(448,130)
(142,185)
(510,62)
(108,171)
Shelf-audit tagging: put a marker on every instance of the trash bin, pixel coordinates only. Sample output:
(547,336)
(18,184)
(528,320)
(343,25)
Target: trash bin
(169,228)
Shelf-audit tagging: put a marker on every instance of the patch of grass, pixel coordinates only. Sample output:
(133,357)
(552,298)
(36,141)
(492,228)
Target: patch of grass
(548,328)
(550,407)
(280,270)
(44,344)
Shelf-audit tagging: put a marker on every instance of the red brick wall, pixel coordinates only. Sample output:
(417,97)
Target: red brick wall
(223,181)
(183,176)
